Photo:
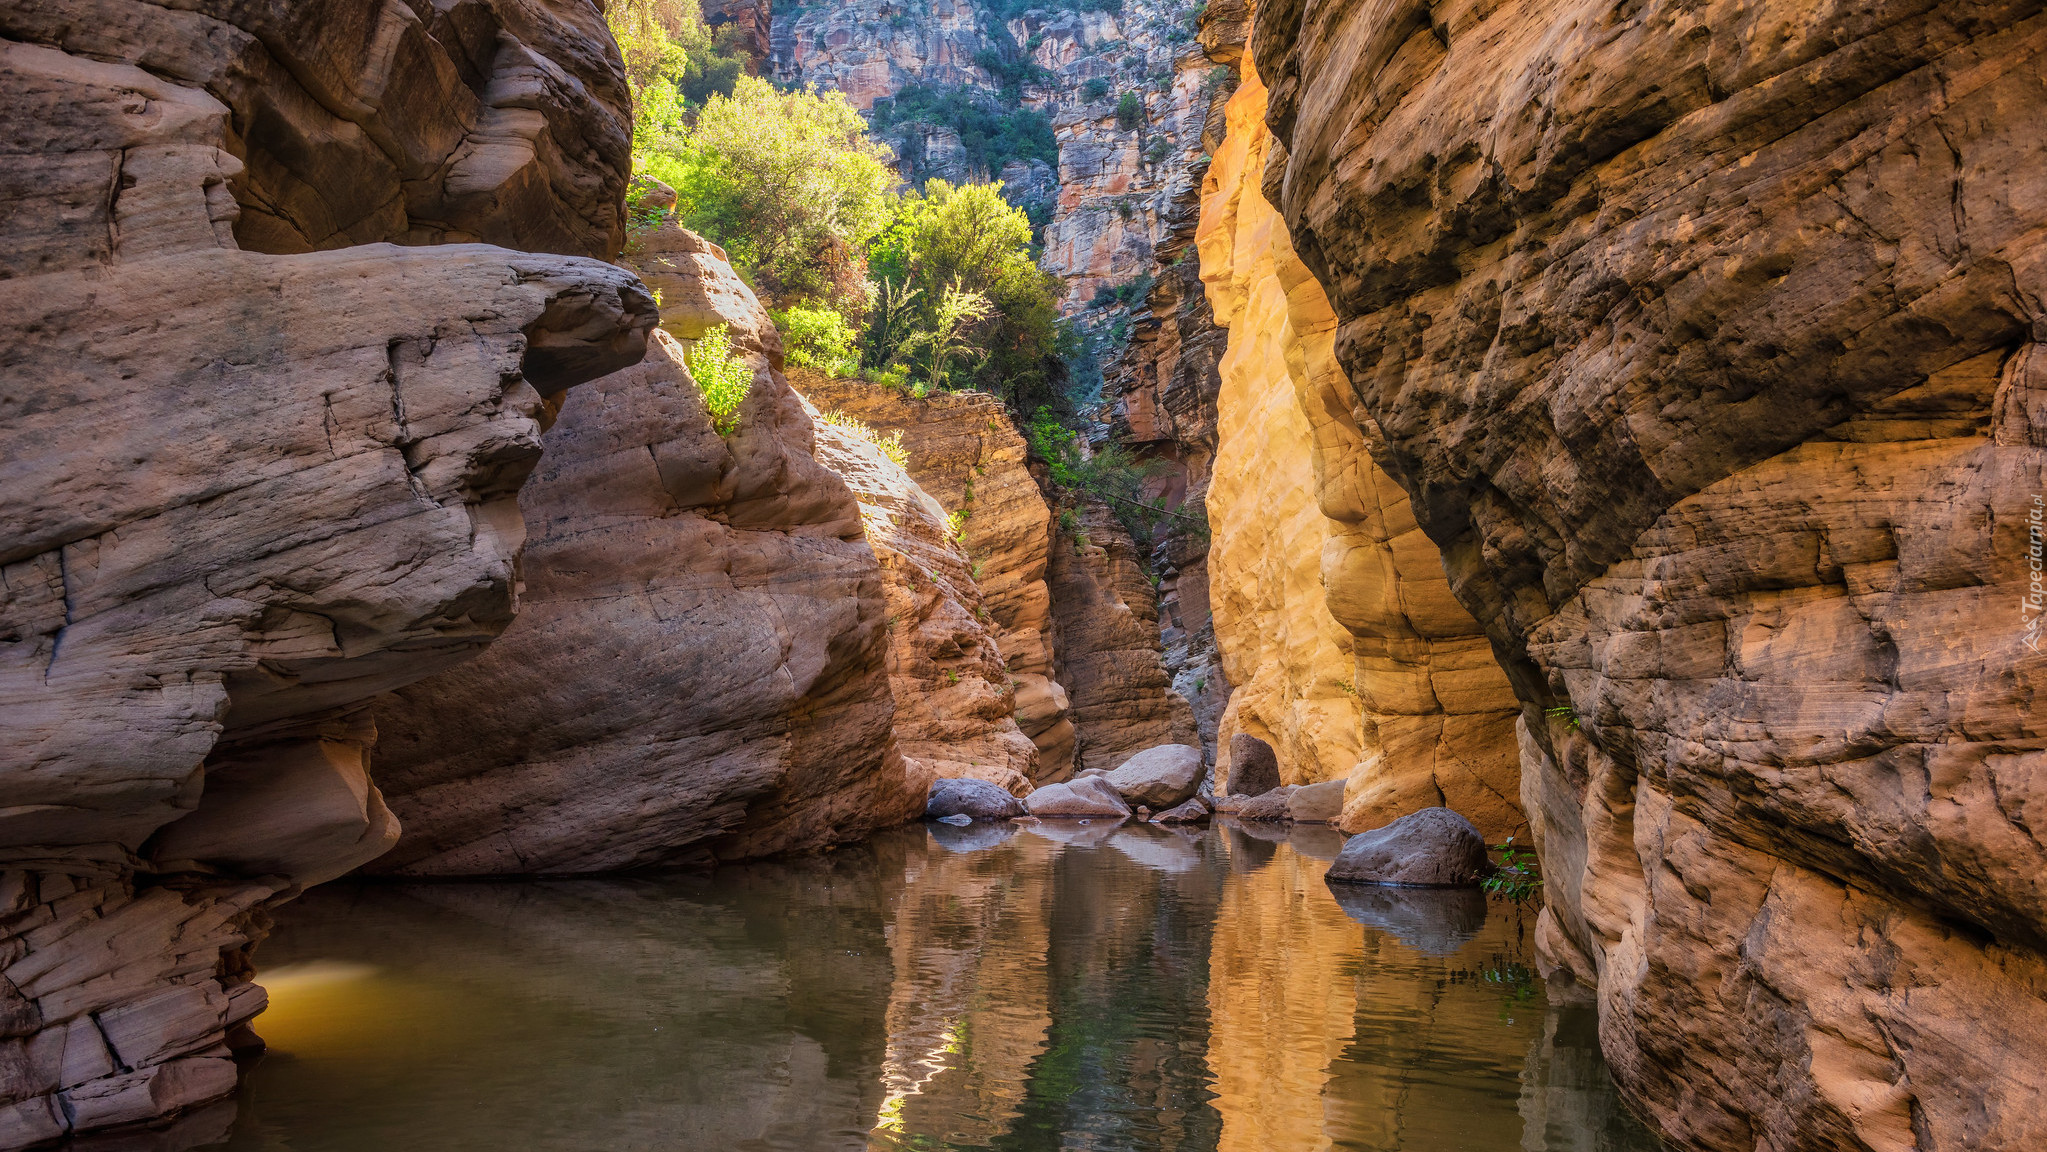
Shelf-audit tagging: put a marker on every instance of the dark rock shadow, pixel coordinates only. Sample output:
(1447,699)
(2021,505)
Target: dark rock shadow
(975,837)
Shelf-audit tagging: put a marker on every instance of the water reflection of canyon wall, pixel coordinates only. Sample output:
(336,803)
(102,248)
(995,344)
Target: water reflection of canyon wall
(989,987)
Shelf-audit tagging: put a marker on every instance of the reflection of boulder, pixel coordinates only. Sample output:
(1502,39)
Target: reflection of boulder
(1432,921)
(1249,850)
(1077,833)
(1161,851)
(974,837)
(1317,840)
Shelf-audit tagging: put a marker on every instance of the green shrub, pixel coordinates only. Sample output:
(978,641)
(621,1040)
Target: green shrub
(787,182)
(1129,112)
(1095,90)
(818,338)
(723,376)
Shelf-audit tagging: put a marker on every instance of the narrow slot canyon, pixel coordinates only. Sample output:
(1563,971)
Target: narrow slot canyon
(1022,574)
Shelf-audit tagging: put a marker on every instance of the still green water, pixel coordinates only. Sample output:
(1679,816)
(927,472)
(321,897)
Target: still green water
(998,987)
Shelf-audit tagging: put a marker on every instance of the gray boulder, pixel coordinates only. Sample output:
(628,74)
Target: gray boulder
(1433,848)
(1159,777)
(1088,797)
(965,796)
(1269,806)
(1187,813)
(1254,766)
(1316,803)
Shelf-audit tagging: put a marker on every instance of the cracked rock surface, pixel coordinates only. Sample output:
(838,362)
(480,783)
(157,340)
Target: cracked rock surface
(1703,339)
(259,450)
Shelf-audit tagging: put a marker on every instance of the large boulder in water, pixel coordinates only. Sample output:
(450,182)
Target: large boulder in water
(1254,766)
(1434,848)
(1272,806)
(1316,803)
(1159,777)
(1088,797)
(965,796)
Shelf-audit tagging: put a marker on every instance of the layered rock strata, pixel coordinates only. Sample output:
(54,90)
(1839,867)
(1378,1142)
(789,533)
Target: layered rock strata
(1332,612)
(966,454)
(249,484)
(1106,650)
(699,668)
(1703,341)
(955,702)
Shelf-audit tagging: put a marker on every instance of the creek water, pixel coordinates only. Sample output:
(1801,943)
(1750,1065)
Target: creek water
(999,987)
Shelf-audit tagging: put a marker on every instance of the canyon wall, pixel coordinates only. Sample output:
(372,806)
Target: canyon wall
(1074,616)
(1332,613)
(964,452)
(1703,341)
(259,465)
(699,668)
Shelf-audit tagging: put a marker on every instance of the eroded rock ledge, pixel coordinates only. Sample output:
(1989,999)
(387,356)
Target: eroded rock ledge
(698,669)
(246,490)
(1704,341)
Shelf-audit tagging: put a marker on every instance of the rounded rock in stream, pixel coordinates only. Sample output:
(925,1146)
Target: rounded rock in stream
(1088,797)
(1432,848)
(1159,777)
(974,799)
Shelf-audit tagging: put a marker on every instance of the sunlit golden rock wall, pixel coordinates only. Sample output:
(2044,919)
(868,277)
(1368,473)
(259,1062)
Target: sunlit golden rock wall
(1332,611)
(1705,340)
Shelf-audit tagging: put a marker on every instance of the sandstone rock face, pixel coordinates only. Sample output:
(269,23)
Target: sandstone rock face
(954,702)
(342,122)
(1090,796)
(249,485)
(1332,611)
(1703,340)
(699,668)
(1434,847)
(966,454)
(973,798)
(1106,644)
(1161,777)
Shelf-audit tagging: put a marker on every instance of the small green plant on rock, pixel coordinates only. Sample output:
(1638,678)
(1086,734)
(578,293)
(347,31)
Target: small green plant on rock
(1562,712)
(1515,877)
(723,376)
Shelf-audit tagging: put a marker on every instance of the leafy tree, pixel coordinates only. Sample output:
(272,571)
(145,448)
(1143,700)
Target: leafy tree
(1112,474)
(969,240)
(990,134)
(672,60)
(788,183)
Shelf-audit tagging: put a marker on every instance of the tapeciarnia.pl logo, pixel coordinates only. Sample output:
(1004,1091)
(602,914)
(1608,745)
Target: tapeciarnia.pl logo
(2033,608)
